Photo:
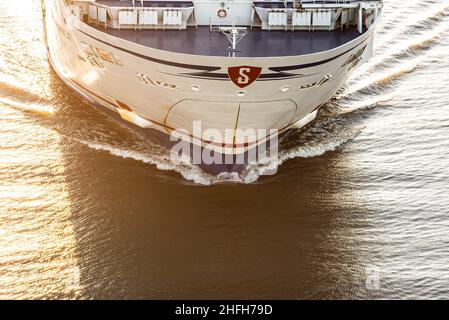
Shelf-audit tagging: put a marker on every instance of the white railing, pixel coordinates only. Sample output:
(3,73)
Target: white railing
(132,15)
(281,15)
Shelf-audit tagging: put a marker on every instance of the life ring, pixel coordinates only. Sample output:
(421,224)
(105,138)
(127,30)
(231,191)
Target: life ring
(222,13)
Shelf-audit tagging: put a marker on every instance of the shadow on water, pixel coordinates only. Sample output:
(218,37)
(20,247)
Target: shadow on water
(139,236)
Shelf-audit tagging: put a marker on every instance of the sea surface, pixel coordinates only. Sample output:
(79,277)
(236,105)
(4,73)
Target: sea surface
(359,207)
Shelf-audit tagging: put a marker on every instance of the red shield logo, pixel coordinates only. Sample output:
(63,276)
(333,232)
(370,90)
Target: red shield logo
(244,75)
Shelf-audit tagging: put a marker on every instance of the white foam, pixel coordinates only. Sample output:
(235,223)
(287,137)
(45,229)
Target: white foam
(315,142)
(38,108)
(346,107)
(161,161)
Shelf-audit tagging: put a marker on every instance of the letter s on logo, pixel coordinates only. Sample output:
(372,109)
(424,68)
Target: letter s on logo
(243,76)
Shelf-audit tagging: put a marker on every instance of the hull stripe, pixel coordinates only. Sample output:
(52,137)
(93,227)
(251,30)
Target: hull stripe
(170,63)
(314,64)
(210,68)
(225,76)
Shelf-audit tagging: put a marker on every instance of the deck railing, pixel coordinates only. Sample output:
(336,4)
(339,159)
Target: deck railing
(268,15)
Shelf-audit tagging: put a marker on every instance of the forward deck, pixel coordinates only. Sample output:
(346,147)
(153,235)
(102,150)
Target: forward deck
(240,28)
(256,43)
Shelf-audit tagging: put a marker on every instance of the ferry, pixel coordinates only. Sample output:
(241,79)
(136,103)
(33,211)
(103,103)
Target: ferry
(224,65)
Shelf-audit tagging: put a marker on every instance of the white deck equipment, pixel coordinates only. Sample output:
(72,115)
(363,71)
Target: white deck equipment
(127,17)
(172,18)
(322,18)
(302,20)
(277,18)
(148,18)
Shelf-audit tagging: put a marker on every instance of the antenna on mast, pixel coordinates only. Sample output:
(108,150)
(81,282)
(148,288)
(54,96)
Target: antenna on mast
(234,35)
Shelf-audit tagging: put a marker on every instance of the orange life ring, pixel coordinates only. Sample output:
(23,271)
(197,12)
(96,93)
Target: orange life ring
(222,13)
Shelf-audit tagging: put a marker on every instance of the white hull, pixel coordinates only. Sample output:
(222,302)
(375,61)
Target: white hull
(152,84)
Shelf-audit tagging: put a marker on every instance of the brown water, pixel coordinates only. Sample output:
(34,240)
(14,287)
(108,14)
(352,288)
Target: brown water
(90,209)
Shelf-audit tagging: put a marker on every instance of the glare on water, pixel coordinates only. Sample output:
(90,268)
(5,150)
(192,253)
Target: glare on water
(91,209)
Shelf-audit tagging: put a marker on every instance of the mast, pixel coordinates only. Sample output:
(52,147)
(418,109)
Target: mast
(234,35)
